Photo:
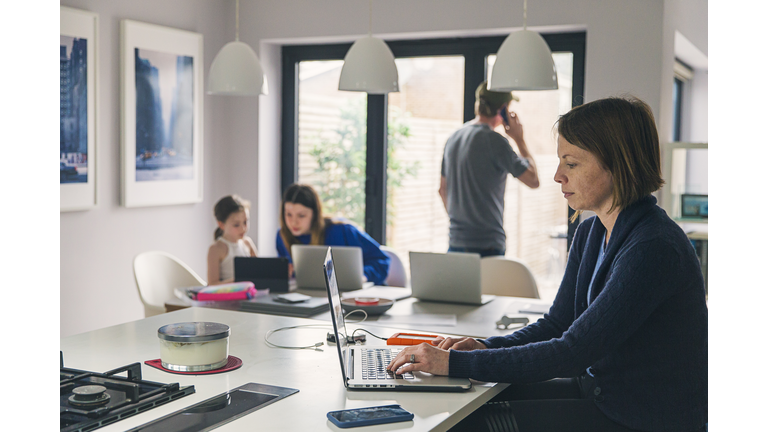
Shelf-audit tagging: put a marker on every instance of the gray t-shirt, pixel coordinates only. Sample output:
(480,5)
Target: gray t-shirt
(476,161)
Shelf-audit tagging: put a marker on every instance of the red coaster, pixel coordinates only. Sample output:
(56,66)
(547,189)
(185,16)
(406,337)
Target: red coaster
(232,364)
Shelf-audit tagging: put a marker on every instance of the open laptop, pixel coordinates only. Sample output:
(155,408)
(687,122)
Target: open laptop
(308,265)
(265,273)
(364,368)
(447,277)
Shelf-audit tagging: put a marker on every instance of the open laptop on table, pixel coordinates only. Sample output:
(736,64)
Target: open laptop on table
(265,273)
(447,277)
(308,265)
(364,368)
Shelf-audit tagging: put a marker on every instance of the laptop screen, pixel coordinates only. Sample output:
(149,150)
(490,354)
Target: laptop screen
(337,313)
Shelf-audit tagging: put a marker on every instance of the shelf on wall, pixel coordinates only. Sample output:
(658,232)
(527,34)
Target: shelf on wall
(690,220)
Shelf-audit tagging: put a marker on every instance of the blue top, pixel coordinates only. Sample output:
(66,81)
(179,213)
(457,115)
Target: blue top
(643,335)
(375,261)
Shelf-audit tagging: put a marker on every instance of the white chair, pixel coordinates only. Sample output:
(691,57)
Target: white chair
(396,276)
(507,277)
(157,274)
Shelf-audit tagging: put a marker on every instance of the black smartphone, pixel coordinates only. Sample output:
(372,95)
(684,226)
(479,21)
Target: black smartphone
(505,115)
(369,416)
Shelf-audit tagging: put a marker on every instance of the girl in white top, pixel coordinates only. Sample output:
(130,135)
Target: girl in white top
(232,215)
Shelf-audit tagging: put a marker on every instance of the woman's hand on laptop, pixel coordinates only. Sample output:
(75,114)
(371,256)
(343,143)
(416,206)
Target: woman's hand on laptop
(426,358)
(461,344)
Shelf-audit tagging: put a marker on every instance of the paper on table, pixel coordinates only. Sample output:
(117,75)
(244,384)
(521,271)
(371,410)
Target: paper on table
(420,319)
(531,308)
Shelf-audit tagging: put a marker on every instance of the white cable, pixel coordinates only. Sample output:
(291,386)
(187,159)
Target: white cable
(365,316)
(316,345)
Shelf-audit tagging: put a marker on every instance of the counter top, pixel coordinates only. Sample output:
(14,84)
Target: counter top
(315,373)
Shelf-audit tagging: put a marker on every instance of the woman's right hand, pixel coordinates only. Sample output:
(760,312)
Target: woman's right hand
(461,344)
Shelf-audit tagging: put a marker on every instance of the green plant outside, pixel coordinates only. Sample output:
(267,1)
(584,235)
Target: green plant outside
(340,158)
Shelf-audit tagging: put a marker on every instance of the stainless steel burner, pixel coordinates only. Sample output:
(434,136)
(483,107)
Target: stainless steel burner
(89,395)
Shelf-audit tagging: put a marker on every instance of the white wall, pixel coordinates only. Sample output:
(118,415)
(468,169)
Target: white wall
(97,246)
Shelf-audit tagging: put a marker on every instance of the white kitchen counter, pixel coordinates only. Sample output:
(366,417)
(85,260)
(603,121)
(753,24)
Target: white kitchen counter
(317,374)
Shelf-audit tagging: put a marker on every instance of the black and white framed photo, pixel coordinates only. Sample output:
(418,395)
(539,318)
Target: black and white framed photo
(162,109)
(77,108)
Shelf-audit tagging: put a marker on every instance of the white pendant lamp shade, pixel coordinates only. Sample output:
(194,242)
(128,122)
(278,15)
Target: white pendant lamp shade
(236,71)
(524,62)
(369,66)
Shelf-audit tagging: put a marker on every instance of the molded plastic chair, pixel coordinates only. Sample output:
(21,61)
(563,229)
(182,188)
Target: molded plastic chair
(157,274)
(507,277)
(396,276)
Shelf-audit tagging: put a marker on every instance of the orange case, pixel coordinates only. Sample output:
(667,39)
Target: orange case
(404,339)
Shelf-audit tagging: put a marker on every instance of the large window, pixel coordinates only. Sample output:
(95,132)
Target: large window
(375,159)
(331,139)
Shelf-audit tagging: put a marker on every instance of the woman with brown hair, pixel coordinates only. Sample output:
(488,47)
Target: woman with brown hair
(624,345)
(302,222)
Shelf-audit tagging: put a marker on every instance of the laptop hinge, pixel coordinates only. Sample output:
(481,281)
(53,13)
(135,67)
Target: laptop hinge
(350,364)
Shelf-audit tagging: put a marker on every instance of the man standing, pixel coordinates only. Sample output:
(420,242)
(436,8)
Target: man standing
(476,161)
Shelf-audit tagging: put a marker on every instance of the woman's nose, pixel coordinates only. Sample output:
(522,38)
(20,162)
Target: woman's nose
(559,178)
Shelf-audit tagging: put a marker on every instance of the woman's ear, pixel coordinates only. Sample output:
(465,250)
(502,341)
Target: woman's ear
(220,224)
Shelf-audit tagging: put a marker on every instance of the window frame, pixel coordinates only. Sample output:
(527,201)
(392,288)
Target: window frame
(474,50)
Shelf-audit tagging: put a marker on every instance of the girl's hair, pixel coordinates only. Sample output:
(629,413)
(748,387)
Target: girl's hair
(622,135)
(305,195)
(225,207)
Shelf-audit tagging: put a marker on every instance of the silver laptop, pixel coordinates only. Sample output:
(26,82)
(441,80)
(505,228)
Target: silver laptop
(447,277)
(364,368)
(308,265)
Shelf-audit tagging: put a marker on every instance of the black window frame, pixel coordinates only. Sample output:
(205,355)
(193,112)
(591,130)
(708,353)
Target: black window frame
(677,114)
(474,50)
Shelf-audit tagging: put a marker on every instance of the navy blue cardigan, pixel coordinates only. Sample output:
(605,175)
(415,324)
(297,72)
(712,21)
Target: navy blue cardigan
(644,334)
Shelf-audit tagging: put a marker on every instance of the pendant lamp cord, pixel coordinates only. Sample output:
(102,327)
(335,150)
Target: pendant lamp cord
(525,14)
(237,20)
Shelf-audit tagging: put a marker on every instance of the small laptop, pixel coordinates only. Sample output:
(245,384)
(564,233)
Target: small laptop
(308,265)
(364,368)
(447,277)
(265,273)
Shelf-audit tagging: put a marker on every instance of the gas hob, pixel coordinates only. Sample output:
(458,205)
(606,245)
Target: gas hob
(90,400)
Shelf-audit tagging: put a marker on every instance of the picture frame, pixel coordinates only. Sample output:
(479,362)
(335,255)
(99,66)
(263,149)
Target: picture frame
(161,85)
(78,76)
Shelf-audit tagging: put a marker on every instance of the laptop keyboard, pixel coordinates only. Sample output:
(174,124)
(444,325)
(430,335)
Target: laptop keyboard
(375,361)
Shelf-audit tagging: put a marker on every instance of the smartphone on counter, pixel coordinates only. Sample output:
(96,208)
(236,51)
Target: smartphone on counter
(369,416)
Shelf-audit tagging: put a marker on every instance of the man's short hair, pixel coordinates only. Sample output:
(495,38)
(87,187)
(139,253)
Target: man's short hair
(488,103)
(621,133)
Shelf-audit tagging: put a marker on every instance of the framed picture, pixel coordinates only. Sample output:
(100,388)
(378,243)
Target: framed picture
(77,108)
(162,115)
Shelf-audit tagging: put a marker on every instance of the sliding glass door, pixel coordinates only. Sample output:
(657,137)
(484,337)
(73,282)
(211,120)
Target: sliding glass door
(332,139)
(375,159)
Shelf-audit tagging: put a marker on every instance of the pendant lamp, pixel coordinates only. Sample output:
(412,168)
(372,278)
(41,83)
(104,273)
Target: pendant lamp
(236,69)
(369,65)
(524,62)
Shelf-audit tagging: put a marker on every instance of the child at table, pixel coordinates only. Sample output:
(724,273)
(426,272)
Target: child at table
(232,216)
(302,222)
